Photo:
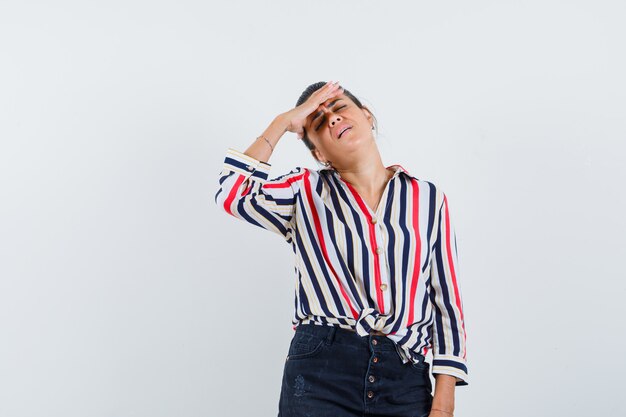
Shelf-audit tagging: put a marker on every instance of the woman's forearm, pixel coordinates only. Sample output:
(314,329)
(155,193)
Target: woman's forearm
(443,398)
(260,149)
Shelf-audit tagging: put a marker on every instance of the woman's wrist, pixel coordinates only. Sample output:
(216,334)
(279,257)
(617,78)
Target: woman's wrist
(265,143)
(439,411)
(281,122)
(275,131)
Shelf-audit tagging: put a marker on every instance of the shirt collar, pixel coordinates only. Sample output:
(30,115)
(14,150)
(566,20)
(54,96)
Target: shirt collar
(399,169)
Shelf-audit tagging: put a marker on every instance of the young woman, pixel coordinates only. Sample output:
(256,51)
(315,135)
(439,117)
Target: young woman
(376,266)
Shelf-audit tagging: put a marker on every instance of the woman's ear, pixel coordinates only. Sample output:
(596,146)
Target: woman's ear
(367,113)
(318,156)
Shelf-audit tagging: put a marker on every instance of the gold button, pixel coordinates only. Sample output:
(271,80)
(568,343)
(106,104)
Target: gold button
(375,359)
(374,220)
(371,378)
(379,250)
(370,394)
(250,168)
(383,287)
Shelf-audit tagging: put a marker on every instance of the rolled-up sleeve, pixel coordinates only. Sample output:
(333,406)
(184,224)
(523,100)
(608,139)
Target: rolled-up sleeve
(449,337)
(245,192)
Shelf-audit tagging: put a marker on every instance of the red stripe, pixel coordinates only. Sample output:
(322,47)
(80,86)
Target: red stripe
(284,184)
(451,263)
(232,194)
(418,252)
(372,234)
(320,235)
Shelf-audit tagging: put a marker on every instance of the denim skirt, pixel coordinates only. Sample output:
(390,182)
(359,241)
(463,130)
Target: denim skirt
(333,372)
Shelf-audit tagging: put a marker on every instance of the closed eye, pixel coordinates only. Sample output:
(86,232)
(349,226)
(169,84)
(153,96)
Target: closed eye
(324,117)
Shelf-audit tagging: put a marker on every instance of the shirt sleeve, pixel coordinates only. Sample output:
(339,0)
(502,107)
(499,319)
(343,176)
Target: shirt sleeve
(449,355)
(245,193)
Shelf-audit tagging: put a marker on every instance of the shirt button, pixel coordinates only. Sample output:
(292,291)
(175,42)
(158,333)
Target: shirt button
(383,287)
(370,394)
(374,220)
(379,250)
(374,341)
(375,359)
(371,378)
(250,168)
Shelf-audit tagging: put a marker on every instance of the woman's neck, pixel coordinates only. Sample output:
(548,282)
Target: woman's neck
(367,178)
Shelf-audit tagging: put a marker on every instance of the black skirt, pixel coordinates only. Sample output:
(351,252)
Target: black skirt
(331,371)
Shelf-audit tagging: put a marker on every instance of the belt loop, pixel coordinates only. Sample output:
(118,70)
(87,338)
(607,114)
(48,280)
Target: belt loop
(400,352)
(421,359)
(331,335)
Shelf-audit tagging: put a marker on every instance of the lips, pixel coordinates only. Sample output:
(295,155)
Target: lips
(341,129)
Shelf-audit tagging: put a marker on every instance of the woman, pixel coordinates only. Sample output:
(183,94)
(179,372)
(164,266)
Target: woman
(376,265)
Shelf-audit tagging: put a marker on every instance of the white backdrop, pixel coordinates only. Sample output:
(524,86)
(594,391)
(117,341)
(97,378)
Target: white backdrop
(125,291)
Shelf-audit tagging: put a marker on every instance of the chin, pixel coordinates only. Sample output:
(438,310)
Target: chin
(356,139)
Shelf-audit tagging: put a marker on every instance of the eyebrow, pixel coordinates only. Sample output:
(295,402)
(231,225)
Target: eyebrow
(319,113)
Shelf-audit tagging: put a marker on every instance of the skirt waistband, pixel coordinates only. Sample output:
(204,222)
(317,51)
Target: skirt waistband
(373,332)
(347,336)
(375,340)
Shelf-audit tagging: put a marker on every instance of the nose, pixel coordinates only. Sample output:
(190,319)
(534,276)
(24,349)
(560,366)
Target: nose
(333,118)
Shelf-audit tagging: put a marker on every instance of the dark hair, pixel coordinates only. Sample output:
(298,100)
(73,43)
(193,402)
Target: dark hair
(313,88)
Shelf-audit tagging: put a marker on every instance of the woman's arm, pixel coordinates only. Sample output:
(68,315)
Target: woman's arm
(291,121)
(244,189)
(449,360)
(245,192)
(260,149)
(443,399)
(449,347)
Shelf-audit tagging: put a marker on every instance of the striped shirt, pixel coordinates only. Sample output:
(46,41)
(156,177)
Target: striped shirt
(394,270)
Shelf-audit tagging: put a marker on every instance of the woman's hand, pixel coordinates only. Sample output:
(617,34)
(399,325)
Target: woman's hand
(296,117)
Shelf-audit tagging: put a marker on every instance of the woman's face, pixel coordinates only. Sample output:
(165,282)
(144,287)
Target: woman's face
(326,128)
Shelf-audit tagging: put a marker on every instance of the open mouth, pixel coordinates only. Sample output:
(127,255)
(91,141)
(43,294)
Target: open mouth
(343,131)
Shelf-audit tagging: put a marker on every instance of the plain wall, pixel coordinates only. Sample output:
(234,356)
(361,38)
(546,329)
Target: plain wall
(125,291)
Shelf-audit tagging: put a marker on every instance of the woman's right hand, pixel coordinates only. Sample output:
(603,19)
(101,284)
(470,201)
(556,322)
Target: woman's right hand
(296,117)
